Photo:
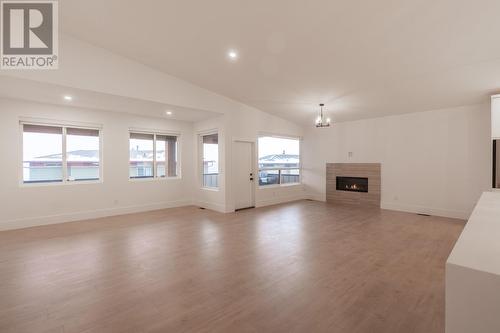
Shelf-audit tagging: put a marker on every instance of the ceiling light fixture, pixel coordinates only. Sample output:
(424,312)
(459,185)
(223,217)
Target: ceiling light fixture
(68,98)
(168,113)
(233,55)
(320,121)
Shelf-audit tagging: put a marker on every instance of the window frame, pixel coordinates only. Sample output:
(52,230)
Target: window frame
(64,125)
(277,136)
(201,158)
(155,177)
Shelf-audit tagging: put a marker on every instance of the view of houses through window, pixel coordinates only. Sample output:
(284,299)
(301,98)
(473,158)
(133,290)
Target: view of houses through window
(44,160)
(152,155)
(82,146)
(210,160)
(279,161)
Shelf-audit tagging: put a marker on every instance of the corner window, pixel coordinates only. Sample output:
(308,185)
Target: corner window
(61,154)
(279,161)
(152,156)
(210,162)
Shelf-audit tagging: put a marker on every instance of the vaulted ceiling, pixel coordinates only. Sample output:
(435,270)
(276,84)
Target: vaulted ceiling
(362,58)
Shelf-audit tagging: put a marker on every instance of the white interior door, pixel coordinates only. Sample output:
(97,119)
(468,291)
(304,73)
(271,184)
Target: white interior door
(243,174)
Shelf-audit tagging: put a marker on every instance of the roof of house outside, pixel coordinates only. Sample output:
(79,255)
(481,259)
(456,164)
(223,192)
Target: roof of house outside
(93,155)
(147,155)
(279,159)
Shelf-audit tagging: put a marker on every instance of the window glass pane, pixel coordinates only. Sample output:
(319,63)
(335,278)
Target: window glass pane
(82,153)
(279,161)
(269,177)
(42,154)
(161,159)
(141,155)
(166,156)
(211,160)
(290,176)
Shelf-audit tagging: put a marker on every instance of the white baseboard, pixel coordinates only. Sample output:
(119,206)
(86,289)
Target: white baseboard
(211,205)
(87,215)
(456,214)
(321,198)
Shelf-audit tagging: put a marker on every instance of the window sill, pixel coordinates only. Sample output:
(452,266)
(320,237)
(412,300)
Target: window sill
(67,183)
(211,189)
(263,187)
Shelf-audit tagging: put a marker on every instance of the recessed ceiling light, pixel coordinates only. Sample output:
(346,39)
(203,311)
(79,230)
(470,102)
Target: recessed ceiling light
(68,98)
(168,113)
(232,54)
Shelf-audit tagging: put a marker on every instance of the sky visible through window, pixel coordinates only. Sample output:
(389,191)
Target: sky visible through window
(85,143)
(272,146)
(211,155)
(142,146)
(41,144)
(42,156)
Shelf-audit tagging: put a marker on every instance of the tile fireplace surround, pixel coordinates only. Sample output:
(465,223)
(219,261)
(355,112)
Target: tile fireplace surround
(361,170)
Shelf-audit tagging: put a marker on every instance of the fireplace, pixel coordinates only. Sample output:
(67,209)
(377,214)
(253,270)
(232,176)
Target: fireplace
(352,184)
(347,184)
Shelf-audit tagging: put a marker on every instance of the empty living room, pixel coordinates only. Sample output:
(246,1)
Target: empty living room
(249,166)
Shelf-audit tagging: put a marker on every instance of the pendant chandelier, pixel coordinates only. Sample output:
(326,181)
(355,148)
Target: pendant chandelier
(321,121)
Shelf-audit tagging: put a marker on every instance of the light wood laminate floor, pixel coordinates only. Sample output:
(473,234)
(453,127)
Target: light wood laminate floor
(299,267)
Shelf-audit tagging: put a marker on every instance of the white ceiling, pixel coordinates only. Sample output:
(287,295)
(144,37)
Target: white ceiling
(35,91)
(362,58)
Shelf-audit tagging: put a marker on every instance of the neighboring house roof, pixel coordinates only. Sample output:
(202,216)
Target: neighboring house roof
(93,155)
(280,160)
(147,155)
(75,155)
(279,157)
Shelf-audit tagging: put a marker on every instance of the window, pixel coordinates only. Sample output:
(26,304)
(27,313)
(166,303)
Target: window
(46,161)
(210,151)
(279,161)
(152,155)
(166,156)
(82,147)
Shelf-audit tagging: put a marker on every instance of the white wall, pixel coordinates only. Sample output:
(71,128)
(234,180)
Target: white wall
(435,162)
(34,205)
(29,205)
(244,124)
(85,66)
(249,125)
